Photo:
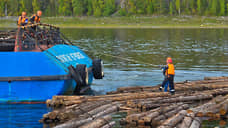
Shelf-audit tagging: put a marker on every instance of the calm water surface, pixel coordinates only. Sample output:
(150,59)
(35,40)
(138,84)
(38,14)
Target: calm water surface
(196,53)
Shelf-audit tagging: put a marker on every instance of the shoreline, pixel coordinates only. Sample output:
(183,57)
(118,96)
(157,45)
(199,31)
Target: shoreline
(133,22)
(130,27)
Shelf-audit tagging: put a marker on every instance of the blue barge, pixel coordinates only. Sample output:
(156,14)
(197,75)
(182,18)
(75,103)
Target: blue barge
(31,75)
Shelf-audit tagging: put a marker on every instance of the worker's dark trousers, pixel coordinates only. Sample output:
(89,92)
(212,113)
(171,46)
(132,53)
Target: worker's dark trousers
(170,81)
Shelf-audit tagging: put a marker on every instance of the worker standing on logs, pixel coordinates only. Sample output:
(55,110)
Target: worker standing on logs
(169,72)
(22,20)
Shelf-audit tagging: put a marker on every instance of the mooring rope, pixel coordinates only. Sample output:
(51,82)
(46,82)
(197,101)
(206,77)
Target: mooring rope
(113,56)
(130,60)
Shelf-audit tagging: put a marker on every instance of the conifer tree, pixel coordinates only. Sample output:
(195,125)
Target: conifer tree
(78,7)
(109,7)
(199,6)
(222,7)
(178,6)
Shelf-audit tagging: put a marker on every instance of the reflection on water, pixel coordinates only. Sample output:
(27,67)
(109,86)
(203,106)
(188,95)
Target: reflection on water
(21,115)
(196,52)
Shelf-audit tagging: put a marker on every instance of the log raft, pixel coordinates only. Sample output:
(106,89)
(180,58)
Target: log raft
(145,106)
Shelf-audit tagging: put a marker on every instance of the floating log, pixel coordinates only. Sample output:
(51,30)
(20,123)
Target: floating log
(74,123)
(149,117)
(196,123)
(180,86)
(135,117)
(63,115)
(106,111)
(173,121)
(86,117)
(98,122)
(109,125)
(154,104)
(215,78)
(211,107)
(187,120)
(145,106)
(158,120)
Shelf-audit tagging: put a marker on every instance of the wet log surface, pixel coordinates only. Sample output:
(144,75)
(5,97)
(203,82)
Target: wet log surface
(145,106)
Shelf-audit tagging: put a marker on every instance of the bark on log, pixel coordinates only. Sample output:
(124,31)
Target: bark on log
(212,107)
(109,125)
(187,120)
(148,118)
(136,117)
(154,104)
(85,118)
(157,121)
(98,122)
(145,98)
(74,123)
(215,78)
(102,109)
(68,113)
(196,123)
(106,111)
(180,86)
(173,121)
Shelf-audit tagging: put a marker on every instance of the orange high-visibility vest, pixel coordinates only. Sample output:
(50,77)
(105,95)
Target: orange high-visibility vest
(170,70)
(22,21)
(35,19)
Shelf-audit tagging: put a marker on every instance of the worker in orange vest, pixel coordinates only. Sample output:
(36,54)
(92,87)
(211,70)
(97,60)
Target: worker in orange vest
(35,18)
(169,72)
(22,20)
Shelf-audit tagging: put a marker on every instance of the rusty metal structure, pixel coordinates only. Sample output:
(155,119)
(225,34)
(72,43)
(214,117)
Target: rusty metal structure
(35,37)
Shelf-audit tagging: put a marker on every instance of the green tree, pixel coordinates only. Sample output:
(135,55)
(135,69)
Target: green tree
(199,6)
(140,6)
(149,7)
(222,7)
(131,7)
(22,6)
(213,9)
(192,6)
(90,7)
(13,8)
(65,7)
(78,7)
(98,7)
(185,7)
(52,8)
(178,8)
(35,5)
(2,8)
(109,7)
(171,8)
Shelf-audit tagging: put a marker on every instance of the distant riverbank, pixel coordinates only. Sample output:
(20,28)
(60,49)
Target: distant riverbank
(128,22)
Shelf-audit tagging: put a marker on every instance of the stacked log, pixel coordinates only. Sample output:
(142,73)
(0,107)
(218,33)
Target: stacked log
(173,121)
(192,118)
(64,101)
(208,83)
(145,106)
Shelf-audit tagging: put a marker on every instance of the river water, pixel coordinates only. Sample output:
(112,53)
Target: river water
(132,58)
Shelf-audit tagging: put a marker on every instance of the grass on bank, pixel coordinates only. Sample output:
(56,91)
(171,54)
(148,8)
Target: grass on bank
(128,22)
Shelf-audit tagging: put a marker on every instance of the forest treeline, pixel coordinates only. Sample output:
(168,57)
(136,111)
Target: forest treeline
(115,7)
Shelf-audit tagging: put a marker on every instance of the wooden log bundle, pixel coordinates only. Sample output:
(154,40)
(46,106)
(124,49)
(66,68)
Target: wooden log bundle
(173,121)
(98,122)
(63,101)
(145,106)
(208,83)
